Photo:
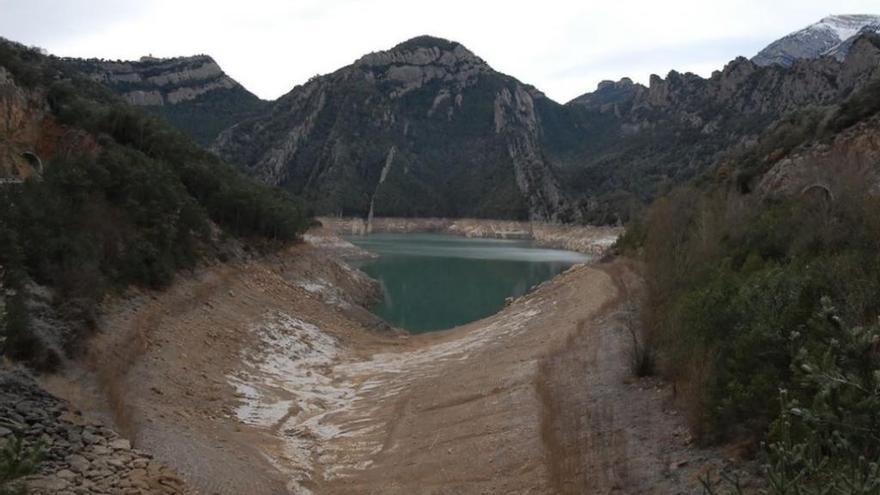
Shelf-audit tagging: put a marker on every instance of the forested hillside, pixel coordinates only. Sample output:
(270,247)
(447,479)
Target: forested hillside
(98,196)
(764,297)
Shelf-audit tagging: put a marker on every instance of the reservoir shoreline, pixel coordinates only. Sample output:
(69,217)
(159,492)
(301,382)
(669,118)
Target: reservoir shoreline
(587,239)
(436,281)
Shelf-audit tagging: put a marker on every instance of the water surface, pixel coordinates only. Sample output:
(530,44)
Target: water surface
(434,281)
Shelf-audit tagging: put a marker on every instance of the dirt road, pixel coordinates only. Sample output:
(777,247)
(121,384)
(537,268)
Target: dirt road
(253,378)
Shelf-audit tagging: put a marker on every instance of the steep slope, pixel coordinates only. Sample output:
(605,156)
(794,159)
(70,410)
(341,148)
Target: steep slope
(831,36)
(429,129)
(764,283)
(424,129)
(99,196)
(193,93)
(632,141)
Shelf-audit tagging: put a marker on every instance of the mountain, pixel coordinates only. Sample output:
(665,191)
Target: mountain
(635,140)
(426,128)
(192,93)
(766,275)
(98,196)
(831,36)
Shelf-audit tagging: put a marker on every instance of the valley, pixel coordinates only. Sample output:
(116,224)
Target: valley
(248,380)
(418,274)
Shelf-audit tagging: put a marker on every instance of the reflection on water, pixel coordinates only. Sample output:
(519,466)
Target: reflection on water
(436,281)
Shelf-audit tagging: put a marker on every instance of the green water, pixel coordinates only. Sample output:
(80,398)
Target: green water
(432,281)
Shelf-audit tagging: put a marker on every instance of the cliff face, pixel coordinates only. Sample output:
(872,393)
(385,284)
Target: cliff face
(193,93)
(29,133)
(429,129)
(844,164)
(636,139)
(424,129)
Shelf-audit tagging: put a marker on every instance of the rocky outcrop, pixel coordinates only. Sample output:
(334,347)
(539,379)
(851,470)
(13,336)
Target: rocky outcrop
(742,87)
(465,139)
(153,81)
(471,142)
(193,93)
(635,138)
(79,455)
(30,136)
(847,164)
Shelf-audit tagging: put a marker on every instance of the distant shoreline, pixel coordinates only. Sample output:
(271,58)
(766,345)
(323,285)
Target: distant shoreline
(588,239)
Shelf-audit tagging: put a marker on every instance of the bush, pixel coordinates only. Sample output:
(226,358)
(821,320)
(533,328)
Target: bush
(17,461)
(132,206)
(827,436)
(734,286)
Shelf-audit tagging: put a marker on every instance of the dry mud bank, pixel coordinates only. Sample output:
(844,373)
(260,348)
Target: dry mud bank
(587,239)
(268,376)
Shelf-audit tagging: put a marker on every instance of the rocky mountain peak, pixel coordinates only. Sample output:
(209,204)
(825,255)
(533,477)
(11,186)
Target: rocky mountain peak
(424,51)
(831,36)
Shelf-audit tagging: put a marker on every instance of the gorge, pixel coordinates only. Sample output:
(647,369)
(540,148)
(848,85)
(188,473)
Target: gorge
(417,274)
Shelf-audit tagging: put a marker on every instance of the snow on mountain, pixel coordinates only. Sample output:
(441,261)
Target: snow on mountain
(831,36)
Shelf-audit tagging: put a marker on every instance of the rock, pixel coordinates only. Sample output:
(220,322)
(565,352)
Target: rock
(50,485)
(66,474)
(79,463)
(101,450)
(90,438)
(120,444)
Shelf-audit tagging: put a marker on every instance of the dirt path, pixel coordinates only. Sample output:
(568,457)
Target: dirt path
(261,379)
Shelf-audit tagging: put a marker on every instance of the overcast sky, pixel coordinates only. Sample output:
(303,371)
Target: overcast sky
(563,47)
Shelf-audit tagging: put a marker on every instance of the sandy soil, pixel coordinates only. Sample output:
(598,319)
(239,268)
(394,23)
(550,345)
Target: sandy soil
(264,377)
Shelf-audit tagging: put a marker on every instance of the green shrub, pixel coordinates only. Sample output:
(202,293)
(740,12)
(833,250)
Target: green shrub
(827,436)
(17,460)
(132,206)
(734,285)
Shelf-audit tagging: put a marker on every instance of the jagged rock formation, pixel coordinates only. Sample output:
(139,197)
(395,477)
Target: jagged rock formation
(429,129)
(635,139)
(193,93)
(831,36)
(426,128)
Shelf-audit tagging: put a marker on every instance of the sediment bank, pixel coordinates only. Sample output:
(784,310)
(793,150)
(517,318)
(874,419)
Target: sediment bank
(594,240)
(267,376)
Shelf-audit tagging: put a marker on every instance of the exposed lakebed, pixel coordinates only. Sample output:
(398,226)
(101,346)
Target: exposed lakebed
(436,281)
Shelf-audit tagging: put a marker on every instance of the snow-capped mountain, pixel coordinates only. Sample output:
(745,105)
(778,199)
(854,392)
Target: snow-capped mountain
(831,36)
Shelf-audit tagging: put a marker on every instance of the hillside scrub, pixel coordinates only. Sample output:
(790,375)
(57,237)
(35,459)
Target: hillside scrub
(133,209)
(747,298)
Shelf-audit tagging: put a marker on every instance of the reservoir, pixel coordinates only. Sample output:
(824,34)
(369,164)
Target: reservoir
(436,281)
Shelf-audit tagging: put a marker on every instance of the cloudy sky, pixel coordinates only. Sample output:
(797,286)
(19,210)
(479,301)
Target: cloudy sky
(564,47)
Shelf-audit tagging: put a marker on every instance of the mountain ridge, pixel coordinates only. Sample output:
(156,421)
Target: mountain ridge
(400,132)
(428,128)
(192,92)
(830,36)
(404,98)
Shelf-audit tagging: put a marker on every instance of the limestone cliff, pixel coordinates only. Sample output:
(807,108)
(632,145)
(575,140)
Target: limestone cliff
(426,128)
(193,93)
(634,140)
